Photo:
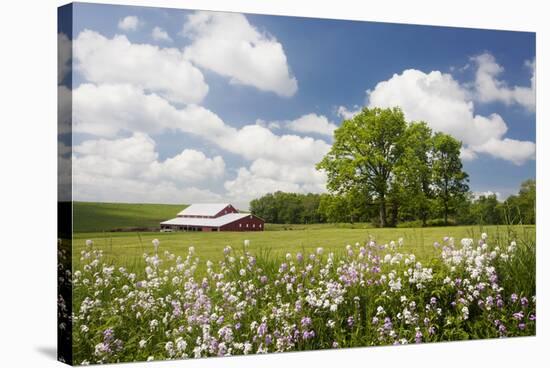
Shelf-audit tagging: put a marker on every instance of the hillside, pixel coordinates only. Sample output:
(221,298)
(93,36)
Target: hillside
(96,217)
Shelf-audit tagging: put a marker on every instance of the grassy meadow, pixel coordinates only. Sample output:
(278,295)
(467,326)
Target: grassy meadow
(291,287)
(127,248)
(98,217)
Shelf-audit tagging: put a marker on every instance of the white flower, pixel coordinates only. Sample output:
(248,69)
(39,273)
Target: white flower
(484,236)
(319,251)
(142,344)
(89,243)
(155,244)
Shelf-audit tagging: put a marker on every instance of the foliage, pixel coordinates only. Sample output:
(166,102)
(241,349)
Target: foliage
(402,167)
(287,208)
(449,180)
(365,153)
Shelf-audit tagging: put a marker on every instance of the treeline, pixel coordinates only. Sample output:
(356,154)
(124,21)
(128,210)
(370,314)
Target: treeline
(294,208)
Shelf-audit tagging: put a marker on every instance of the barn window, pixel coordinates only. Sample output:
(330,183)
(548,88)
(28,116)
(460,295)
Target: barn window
(246,225)
(253,225)
(260,225)
(240,225)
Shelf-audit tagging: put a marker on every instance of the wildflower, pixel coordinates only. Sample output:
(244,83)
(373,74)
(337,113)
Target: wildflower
(155,244)
(514,298)
(418,337)
(518,315)
(299,257)
(306,321)
(465,312)
(89,243)
(350,321)
(319,251)
(524,301)
(246,243)
(142,344)
(484,236)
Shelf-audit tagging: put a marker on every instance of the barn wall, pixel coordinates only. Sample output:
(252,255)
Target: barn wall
(254,224)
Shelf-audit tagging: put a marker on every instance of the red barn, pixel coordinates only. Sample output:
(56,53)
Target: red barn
(213,217)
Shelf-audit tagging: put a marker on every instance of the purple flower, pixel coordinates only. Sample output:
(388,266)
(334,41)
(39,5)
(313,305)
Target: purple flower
(299,257)
(387,323)
(514,298)
(350,321)
(108,335)
(521,326)
(500,303)
(518,315)
(334,344)
(431,330)
(238,326)
(433,300)
(308,335)
(418,337)
(262,329)
(532,317)
(524,301)
(268,339)
(306,321)
(263,279)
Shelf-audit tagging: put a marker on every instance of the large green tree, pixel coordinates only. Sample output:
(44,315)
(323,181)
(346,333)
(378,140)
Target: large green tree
(449,181)
(414,173)
(365,153)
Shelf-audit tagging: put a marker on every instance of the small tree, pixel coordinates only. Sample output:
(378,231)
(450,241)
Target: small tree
(449,180)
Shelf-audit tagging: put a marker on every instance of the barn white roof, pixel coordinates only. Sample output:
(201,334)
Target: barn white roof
(213,222)
(203,209)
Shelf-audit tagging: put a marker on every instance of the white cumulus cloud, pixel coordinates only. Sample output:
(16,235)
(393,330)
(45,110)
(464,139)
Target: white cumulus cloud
(159,34)
(229,45)
(489,88)
(267,176)
(438,99)
(116,60)
(312,123)
(128,169)
(108,110)
(129,23)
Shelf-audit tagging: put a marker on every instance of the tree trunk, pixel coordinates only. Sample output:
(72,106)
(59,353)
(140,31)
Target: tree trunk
(382,211)
(446,212)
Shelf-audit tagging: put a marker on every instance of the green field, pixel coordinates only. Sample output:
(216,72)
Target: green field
(127,248)
(98,217)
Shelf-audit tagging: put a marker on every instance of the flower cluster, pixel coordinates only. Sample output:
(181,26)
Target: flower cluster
(370,295)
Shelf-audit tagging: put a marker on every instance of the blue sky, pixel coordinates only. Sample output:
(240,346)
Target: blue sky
(289,79)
